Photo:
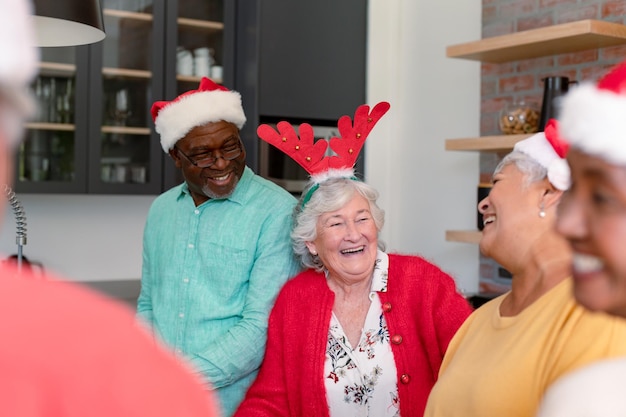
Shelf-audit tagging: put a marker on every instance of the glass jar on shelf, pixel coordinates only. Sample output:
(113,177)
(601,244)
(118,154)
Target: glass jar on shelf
(519,117)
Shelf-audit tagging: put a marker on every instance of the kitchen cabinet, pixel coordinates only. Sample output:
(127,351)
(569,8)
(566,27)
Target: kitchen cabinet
(298,61)
(553,40)
(94,132)
(192,25)
(311,61)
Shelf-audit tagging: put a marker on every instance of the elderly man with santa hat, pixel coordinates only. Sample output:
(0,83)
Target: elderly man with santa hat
(216,248)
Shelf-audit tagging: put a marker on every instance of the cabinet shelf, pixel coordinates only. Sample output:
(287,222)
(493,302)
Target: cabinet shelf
(496,143)
(552,40)
(126,73)
(125,14)
(65,127)
(126,130)
(200,24)
(464,236)
(195,79)
(54,69)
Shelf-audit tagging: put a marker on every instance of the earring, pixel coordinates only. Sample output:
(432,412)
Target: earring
(542,213)
(314,253)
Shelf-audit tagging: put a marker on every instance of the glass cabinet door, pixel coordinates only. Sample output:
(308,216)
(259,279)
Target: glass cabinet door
(126,73)
(51,156)
(200,40)
(94,132)
(197,50)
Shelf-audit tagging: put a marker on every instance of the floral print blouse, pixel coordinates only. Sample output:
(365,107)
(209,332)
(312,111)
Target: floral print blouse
(362,381)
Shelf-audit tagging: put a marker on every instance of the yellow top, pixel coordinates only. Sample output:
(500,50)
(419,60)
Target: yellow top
(500,366)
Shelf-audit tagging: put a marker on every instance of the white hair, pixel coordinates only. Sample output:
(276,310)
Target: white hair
(330,195)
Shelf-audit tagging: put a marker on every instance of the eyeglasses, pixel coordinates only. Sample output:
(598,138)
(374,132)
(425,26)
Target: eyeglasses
(205,160)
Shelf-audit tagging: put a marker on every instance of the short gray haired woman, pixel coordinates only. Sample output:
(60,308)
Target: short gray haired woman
(360,332)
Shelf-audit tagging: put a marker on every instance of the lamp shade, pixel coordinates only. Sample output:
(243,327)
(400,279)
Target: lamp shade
(68,22)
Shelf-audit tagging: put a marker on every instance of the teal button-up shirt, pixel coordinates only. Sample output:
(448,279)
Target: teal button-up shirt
(210,276)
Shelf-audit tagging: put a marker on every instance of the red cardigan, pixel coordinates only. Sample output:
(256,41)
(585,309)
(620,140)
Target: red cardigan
(423,311)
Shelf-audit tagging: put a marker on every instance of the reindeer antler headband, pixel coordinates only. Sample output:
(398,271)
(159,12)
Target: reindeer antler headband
(311,155)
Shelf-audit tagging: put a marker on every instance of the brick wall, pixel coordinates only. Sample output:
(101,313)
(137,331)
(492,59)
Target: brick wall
(522,80)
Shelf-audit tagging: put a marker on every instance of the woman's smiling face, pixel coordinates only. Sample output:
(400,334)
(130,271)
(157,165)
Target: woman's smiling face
(347,241)
(510,216)
(592,216)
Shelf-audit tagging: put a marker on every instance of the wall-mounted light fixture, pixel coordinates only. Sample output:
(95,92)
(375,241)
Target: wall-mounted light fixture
(68,22)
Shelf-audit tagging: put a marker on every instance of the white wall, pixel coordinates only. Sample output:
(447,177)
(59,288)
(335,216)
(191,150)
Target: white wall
(424,189)
(82,237)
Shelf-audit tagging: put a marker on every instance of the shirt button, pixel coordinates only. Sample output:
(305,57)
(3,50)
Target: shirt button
(190,246)
(185,280)
(405,379)
(387,307)
(196,211)
(181,315)
(396,339)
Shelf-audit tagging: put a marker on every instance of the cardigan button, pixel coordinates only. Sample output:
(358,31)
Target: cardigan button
(405,379)
(387,307)
(396,339)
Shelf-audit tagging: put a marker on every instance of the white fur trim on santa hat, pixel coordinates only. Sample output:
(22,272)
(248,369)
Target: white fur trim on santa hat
(594,120)
(538,148)
(177,118)
(332,173)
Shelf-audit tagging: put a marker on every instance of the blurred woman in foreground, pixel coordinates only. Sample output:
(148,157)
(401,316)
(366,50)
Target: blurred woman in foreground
(593,219)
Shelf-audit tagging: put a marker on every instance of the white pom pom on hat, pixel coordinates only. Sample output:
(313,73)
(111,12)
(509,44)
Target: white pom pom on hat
(593,117)
(549,151)
(211,102)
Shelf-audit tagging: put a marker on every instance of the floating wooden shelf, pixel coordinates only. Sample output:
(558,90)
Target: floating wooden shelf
(551,40)
(498,143)
(464,236)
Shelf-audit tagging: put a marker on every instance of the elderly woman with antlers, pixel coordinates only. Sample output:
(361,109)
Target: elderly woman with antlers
(361,331)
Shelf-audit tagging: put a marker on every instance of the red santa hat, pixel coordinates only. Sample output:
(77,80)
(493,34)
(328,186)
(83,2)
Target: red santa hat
(211,102)
(549,150)
(592,117)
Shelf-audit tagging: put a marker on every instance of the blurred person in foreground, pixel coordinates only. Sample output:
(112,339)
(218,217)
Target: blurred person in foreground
(360,332)
(216,248)
(66,351)
(512,348)
(592,217)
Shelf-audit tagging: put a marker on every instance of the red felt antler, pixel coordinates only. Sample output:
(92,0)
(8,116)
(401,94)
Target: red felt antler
(311,155)
(353,135)
(303,150)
